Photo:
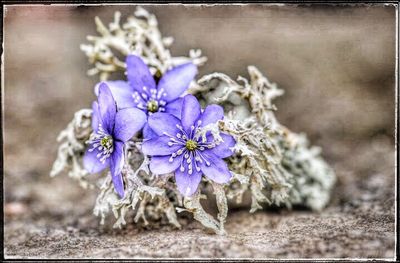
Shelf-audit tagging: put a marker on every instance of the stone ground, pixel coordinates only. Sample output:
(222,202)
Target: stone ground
(337,67)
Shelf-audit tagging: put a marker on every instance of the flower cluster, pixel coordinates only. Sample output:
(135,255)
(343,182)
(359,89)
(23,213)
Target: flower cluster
(147,132)
(171,126)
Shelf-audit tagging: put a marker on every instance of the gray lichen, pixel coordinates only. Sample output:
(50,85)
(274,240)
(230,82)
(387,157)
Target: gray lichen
(279,165)
(138,35)
(274,165)
(70,151)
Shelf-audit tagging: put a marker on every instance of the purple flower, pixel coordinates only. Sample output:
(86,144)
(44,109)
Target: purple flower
(141,90)
(178,146)
(111,129)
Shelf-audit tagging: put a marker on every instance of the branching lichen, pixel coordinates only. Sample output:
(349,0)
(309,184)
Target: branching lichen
(273,165)
(72,145)
(279,165)
(138,35)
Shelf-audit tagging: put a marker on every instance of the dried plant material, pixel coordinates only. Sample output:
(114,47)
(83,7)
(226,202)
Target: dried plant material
(72,146)
(138,35)
(274,165)
(193,205)
(279,165)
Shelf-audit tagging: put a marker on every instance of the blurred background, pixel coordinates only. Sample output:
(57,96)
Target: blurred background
(335,63)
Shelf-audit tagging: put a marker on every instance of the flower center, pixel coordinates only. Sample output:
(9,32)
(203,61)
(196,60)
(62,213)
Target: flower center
(102,142)
(191,145)
(152,106)
(107,142)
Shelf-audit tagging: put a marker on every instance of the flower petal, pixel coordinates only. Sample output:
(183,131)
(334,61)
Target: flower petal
(191,111)
(159,146)
(175,81)
(96,119)
(148,133)
(162,123)
(121,91)
(212,114)
(187,183)
(127,122)
(116,165)
(162,165)
(139,75)
(222,150)
(217,170)
(107,107)
(175,107)
(91,163)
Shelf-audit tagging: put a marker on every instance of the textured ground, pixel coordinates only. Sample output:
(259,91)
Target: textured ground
(337,67)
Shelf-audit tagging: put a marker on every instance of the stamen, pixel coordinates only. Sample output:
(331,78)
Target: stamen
(103,142)
(160,93)
(202,158)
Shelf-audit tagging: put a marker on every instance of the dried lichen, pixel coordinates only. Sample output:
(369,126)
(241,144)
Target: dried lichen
(72,146)
(279,165)
(138,35)
(276,166)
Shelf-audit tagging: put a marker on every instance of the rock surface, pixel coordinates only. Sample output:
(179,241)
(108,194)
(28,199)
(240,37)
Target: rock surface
(337,67)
